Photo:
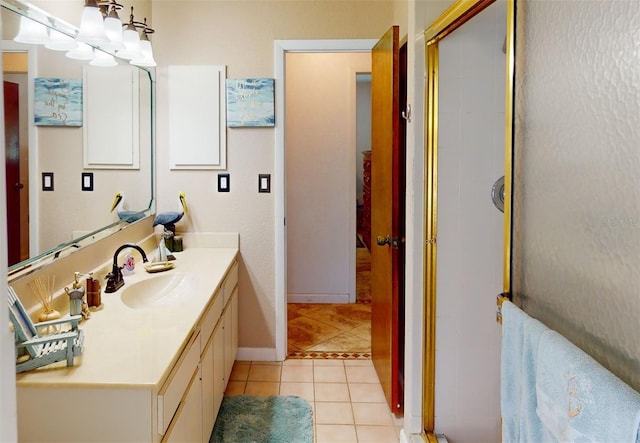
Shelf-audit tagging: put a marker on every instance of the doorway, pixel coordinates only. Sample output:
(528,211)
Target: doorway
(16,76)
(321,196)
(281,48)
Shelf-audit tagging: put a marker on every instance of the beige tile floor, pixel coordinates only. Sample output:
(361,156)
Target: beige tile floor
(346,396)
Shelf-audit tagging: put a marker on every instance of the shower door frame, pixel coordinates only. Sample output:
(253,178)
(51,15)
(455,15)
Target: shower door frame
(455,16)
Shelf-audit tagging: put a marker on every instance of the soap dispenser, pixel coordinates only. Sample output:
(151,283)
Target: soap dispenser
(94,299)
(76,296)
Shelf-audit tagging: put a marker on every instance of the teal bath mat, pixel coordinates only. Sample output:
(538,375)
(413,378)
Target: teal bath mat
(263,419)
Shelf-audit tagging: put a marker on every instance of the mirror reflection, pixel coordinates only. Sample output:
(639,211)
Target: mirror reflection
(77,136)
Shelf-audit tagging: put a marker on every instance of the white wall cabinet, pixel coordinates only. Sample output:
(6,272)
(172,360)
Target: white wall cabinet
(111,139)
(197,117)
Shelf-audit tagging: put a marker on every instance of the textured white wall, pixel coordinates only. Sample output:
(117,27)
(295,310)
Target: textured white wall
(470,244)
(577,189)
(320,167)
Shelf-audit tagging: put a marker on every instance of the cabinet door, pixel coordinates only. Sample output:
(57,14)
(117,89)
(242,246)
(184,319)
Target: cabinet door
(228,341)
(207,382)
(234,331)
(174,389)
(186,425)
(219,380)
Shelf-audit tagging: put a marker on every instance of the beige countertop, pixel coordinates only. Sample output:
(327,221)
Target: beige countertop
(135,348)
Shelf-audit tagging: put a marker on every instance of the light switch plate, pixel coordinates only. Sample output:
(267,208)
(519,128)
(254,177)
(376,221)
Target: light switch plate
(224,185)
(87,181)
(264,182)
(47,181)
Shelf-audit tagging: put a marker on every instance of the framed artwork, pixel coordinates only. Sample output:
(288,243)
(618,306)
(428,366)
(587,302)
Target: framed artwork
(58,102)
(250,102)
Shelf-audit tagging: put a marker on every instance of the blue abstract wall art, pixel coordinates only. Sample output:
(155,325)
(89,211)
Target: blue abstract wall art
(58,102)
(250,102)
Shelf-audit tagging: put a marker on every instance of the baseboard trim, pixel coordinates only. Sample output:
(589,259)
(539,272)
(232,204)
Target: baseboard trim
(318,298)
(256,354)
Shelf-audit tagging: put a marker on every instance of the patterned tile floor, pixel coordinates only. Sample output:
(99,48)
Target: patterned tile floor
(346,397)
(341,331)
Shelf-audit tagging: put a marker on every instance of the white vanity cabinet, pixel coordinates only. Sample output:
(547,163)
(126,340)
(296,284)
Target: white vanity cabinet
(145,376)
(218,345)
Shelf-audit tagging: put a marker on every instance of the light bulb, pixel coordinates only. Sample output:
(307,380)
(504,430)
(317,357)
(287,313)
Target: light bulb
(131,40)
(60,42)
(146,54)
(92,25)
(113,29)
(101,58)
(31,32)
(82,52)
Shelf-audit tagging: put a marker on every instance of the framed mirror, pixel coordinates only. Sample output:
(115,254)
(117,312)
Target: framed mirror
(60,188)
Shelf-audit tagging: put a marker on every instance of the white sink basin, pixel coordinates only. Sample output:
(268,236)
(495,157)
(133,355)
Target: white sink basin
(159,291)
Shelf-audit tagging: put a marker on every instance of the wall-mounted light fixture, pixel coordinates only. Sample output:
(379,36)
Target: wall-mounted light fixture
(99,39)
(137,49)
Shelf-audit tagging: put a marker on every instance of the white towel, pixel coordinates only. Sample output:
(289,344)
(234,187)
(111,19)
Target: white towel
(578,400)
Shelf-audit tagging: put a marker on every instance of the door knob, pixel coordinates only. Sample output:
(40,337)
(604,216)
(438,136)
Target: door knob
(18,186)
(383,240)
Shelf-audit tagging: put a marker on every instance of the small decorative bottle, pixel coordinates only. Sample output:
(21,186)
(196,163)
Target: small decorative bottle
(129,264)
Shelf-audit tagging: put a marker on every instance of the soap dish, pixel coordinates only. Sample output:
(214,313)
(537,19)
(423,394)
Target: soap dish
(159,266)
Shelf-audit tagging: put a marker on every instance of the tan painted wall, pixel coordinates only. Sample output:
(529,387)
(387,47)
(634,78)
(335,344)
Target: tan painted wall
(241,36)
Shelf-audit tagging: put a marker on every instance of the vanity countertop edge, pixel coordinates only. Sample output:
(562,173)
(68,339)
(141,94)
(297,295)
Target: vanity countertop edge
(136,348)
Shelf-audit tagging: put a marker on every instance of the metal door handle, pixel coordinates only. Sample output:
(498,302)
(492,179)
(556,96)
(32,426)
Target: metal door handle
(18,186)
(383,240)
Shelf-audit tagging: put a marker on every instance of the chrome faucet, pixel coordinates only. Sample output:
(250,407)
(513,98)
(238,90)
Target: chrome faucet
(114,278)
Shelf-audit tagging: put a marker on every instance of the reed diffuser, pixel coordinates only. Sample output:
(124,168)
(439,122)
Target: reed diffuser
(42,287)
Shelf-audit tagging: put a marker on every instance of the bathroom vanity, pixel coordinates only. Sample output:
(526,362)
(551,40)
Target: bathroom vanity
(156,361)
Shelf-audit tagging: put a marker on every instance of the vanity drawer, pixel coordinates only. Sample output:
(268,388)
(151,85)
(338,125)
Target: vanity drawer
(230,282)
(210,318)
(174,388)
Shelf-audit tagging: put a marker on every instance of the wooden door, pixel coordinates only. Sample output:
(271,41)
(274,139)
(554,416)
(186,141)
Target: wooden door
(387,218)
(12,160)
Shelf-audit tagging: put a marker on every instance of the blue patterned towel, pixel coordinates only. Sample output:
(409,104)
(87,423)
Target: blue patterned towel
(578,400)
